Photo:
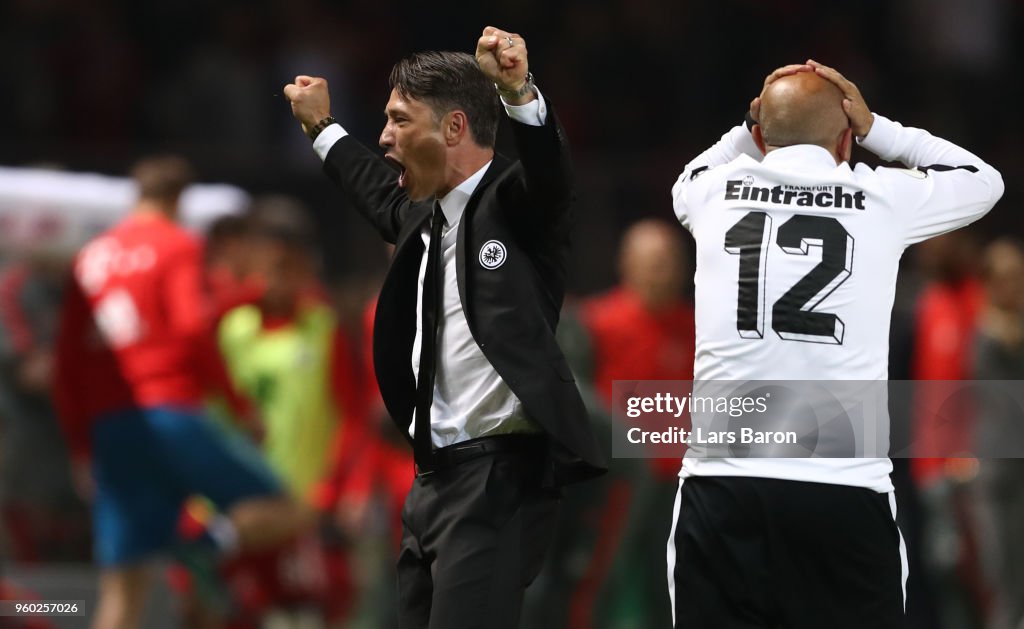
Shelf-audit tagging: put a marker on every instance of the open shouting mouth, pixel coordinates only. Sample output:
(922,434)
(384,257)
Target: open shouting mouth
(400,167)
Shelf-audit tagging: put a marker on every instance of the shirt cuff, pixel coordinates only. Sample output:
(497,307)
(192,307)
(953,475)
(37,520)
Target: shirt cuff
(323,142)
(533,113)
(881,137)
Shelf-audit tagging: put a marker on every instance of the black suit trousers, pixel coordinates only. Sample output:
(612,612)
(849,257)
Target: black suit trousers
(474,537)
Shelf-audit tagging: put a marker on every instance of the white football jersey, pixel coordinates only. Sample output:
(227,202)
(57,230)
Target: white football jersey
(797,260)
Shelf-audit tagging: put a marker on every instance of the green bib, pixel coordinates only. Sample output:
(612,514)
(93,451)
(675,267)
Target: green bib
(286,373)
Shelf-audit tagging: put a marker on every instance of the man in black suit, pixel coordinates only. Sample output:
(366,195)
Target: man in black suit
(464,344)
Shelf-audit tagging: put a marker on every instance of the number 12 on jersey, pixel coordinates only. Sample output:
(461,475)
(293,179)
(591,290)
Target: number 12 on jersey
(793,314)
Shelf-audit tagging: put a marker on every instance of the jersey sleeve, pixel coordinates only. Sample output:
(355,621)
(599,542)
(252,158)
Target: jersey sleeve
(737,141)
(190,316)
(948,187)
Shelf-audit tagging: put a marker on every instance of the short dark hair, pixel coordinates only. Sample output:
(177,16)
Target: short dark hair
(163,177)
(448,81)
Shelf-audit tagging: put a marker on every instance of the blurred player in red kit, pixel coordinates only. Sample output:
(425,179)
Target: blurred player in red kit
(946,323)
(643,328)
(136,358)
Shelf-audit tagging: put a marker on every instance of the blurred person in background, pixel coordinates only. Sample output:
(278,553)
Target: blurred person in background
(641,330)
(464,344)
(288,354)
(946,315)
(38,508)
(999,355)
(943,424)
(135,359)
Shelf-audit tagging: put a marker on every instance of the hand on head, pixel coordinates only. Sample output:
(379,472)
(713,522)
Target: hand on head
(809,104)
(856,109)
(853,103)
(310,100)
(503,58)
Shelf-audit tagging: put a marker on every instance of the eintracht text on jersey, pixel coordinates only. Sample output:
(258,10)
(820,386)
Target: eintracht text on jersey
(801,196)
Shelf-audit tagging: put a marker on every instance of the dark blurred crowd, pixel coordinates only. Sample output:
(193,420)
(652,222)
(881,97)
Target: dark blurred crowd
(641,86)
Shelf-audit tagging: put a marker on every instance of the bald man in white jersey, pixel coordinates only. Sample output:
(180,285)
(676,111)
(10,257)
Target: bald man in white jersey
(797,255)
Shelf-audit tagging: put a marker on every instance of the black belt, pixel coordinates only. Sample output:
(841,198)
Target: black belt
(449,456)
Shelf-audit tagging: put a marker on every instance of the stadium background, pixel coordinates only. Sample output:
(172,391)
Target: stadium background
(641,86)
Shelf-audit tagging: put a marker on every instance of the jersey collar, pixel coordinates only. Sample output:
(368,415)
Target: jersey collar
(805,156)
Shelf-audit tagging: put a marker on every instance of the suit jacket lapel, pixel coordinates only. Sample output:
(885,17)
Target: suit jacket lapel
(498,166)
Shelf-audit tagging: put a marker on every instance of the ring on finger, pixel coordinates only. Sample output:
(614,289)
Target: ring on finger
(510,42)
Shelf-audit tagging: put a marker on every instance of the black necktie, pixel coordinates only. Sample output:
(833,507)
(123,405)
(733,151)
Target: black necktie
(430,308)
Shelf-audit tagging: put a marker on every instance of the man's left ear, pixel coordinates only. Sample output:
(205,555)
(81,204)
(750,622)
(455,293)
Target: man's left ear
(758,136)
(455,127)
(845,148)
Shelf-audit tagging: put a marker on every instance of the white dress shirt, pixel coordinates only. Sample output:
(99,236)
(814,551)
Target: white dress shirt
(470,399)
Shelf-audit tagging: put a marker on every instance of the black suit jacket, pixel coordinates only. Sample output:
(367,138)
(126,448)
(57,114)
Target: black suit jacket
(512,310)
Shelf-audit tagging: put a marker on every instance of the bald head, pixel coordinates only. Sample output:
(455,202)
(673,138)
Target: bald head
(802,108)
(652,262)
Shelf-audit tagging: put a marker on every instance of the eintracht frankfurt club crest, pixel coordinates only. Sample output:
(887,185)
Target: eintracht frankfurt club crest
(492,254)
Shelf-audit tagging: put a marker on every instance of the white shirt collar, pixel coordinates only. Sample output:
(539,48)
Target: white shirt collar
(454,203)
(802,154)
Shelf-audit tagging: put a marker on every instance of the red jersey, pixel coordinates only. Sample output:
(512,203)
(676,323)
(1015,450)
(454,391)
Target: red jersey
(139,308)
(946,318)
(633,343)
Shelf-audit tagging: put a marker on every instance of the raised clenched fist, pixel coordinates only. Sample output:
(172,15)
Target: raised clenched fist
(311,102)
(503,58)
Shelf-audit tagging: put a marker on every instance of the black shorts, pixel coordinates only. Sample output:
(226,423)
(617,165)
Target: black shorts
(761,553)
